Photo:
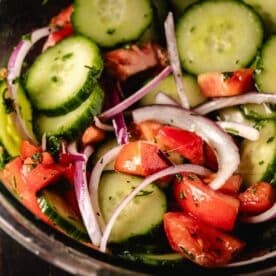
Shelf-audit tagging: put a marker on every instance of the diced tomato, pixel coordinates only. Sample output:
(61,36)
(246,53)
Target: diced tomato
(148,130)
(28,150)
(58,35)
(257,198)
(13,179)
(139,158)
(212,207)
(199,242)
(216,84)
(63,18)
(230,187)
(186,143)
(125,62)
(43,175)
(92,135)
(47,158)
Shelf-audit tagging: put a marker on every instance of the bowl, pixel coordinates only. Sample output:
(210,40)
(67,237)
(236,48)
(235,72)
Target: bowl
(18,17)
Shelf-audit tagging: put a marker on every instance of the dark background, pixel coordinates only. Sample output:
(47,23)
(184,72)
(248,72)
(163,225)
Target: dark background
(17,261)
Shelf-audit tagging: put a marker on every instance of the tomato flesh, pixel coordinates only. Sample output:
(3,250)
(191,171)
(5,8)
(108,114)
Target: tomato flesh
(216,84)
(199,242)
(212,207)
(139,158)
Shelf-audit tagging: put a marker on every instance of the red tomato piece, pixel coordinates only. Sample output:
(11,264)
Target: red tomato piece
(186,143)
(43,175)
(199,242)
(14,181)
(148,130)
(216,84)
(212,207)
(140,158)
(257,198)
(28,150)
(63,18)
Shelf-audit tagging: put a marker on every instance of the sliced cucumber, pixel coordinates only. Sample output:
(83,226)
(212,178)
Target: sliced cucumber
(218,35)
(169,259)
(70,125)
(259,111)
(267,10)
(54,206)
(258,158)
(265,69)
(63,76)
(168,87)
(9,135)
(112,22)
(150,205)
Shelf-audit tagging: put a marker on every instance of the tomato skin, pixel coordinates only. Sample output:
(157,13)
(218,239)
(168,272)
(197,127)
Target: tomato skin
(199,242)
(139,158)
(216,84)
(14,181)
(257,198)
(148,130)
(212,207)
(28,150)
(63,18)
(186,143)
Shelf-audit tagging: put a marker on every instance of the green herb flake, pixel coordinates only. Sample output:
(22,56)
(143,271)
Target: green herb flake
(26,37)
(54,79)
(37,157)
(111,31)
(270,139)
(227,75)
(67,56)
(179,177)
(144,193)
(8,104)
(232,131)
(188,253)
(261,162)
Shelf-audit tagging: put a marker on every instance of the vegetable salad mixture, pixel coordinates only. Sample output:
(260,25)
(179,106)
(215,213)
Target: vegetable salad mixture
(147,129)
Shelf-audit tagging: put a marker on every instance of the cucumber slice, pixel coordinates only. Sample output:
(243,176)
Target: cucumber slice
(63,76)
(258,158)
(267,10)
(168,259)
(259,111)
(9,135)
(70,125)
(265,69)
(168,87)
(112,22)
(54,206)
(218,36)
(150,205)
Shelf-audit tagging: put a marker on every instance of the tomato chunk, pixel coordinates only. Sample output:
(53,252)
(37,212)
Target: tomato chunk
(257,198)
(63,18)
(28,150)
(216,84)
(186,143)
(199,242)
(140,158)
(212,207)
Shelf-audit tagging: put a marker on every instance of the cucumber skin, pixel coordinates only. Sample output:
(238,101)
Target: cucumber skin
(79,125)
(77,97)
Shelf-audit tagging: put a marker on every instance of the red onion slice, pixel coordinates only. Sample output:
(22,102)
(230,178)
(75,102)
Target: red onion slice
(110,113)
(148,180)
(252,97)
(83,197)
(95,179)
(265,216)
(14,70)
(226,150)
(240,129)
(174,60)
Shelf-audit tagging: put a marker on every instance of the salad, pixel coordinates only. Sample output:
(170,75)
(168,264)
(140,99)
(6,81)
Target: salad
(147,129)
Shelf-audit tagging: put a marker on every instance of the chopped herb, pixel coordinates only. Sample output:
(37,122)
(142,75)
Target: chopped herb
(144,193)
(110,198)
(191,177)
(37,157)
(261,162)
(16,80)
(66,56)
(111,31)
(8,103)
(53,146)
(232,131)
(26,37)
(227,75)
(179,177)
(192,29)
(270,139)
(188,253)
(54,79)
(101,161)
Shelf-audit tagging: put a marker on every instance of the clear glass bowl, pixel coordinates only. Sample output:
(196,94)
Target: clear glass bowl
(18,17)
